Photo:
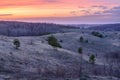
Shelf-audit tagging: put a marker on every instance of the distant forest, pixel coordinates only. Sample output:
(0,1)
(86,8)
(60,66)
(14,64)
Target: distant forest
(106,27)
(11,28)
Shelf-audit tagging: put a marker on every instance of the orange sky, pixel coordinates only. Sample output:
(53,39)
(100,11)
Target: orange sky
(25,9)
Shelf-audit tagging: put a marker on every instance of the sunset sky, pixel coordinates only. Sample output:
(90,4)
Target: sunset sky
(61,11)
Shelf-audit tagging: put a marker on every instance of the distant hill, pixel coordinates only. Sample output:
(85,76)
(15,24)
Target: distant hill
(106,27)
(12,28)
(83,26)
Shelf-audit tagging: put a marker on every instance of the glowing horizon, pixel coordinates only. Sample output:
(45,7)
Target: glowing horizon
(61,11)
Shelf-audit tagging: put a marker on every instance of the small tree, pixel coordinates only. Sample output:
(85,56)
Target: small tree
(97,34)
(53,42)
(80,50)
(81,39)
(81,57)
(92,59)
(16,42)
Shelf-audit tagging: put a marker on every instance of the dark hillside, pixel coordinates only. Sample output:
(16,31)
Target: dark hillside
(107,27)
(9,28)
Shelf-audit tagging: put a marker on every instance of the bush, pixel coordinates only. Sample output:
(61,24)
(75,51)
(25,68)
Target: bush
(53,42)
(81,39)
(92,59)
(80,50)
(16,42)
(97,34)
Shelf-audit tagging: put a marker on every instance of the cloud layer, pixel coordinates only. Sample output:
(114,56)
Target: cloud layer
(6,14)
(76,11)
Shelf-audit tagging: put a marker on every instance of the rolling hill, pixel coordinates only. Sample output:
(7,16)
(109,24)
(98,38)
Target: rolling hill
(106,27)
(37,60)
(12,28)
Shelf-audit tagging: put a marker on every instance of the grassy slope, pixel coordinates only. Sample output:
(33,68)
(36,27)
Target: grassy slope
(38,59)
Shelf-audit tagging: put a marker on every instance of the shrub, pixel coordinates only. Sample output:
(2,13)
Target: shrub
(16,42)
(53,42)
(92,59)
(81,57)
(97,34)
(80,50)
(81,39)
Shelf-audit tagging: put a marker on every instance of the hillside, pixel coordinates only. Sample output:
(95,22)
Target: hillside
(106,27)
(37,60)
(12,28)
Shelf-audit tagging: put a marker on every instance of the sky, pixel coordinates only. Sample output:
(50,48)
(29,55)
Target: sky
(61,11)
